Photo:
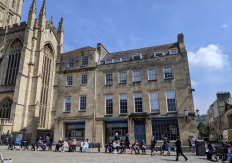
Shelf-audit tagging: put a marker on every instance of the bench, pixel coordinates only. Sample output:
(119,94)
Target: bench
(106,149)
(94,145)
(5,160)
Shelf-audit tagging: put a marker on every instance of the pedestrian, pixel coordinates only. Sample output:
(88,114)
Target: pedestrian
(179,149)
(153,143)
(193,144)
(116,137)
(127,141)
(190,143)
(2,138)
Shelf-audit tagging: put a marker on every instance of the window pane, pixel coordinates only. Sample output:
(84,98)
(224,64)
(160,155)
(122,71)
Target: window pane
(108,61)
(171,101)
(136,57)
(168,72)
(123,104)
(84,61)
(173,51)
(83,103)
(70,62)
(84,79)
(67,104)
(138,102)
(136,75)
(158,54)
(109,79)
(122,77)
(109,104)
(154,102)
(152,74)
(69,81)
(117,60)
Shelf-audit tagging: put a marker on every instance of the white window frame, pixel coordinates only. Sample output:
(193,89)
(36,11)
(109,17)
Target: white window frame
(173,50)
(82,79)
(170,98)
(119,77)
(134,75)
(108,61)
(112,104)
(141,57)
(68,102)
(106,79)
(149,73)
(155,54)
(67,82)
(120,103)
(69,62)
(113,61)
(157,100)
(172,72)
(134,102)
(85,103)
(82,60)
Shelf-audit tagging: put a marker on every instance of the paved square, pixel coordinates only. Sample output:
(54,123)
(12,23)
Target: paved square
(92,156)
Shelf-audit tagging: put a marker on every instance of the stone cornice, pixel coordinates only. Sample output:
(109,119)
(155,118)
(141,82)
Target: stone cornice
(76,70)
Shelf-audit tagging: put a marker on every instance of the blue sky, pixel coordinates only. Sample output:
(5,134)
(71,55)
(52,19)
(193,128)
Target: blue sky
(131,24)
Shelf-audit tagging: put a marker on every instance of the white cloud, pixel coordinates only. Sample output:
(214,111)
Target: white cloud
(224,25)
(208,59)
(193,83)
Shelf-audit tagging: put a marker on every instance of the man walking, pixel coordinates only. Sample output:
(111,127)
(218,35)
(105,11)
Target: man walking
(2,138)
(179,149)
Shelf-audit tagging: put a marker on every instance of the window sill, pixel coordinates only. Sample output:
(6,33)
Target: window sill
(66,112)
(68,86)
(168,78)
(69,67)
(152,80)
(84,65)
(83,84)
(138,112)
(109,115)
(81,110)
(121,83)
(108,84)
(155,113)
(137,81)
(125,114)
(174,112)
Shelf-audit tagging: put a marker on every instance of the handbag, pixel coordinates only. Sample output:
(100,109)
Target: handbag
(90,146)
(132,152)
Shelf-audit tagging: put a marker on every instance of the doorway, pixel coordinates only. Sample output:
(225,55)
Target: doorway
(139,130)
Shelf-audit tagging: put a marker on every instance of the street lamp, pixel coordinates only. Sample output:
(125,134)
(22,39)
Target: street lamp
(197,111)
(186,115)
(56,117)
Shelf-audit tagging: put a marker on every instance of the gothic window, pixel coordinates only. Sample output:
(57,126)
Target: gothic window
(6,109)
(13,62)
(46,71)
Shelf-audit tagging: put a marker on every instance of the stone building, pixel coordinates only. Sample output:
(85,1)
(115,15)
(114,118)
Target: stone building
(228,110)
(28,72)
(218,120)
(10,12)
(89,93)
(142,92)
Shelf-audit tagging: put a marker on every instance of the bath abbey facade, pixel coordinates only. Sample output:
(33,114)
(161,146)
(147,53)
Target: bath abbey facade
(88,93)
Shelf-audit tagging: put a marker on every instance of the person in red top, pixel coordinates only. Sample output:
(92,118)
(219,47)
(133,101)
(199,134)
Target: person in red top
(136,146)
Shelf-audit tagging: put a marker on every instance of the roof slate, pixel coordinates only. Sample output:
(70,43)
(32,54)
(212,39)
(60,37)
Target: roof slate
(146,52)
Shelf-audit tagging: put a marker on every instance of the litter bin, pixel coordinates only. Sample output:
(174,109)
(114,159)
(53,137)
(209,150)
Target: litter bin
(200,148)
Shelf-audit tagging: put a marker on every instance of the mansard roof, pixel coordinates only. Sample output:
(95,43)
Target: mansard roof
(145,52)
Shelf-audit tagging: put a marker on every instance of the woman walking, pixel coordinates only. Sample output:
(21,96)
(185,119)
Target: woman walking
(179,149)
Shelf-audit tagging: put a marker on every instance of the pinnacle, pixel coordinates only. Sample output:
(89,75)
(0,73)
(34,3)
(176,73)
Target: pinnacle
(33,6)
(43,9)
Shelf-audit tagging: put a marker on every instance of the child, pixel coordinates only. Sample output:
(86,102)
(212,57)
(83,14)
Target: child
(110,146)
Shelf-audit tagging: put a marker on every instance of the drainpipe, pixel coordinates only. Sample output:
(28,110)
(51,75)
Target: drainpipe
(94,107)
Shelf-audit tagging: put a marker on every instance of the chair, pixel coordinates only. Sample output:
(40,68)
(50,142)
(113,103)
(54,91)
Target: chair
(5,160)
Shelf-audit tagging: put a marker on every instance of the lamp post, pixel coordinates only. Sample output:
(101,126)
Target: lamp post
(197,111)
(186,115)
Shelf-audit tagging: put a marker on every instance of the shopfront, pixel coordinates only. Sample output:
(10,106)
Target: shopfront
(165,126)
(115,126)
(75,130)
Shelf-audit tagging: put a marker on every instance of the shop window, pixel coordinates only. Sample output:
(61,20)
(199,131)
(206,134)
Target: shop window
(75,131)
(165,126)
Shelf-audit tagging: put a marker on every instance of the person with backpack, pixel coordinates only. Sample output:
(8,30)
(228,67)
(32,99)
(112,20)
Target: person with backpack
(153,143)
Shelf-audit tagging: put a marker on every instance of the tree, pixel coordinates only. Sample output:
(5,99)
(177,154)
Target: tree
(203,129)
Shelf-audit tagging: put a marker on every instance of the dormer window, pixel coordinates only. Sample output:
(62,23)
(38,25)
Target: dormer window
(136,57)
(113,61)
(158,54)
(173,51)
